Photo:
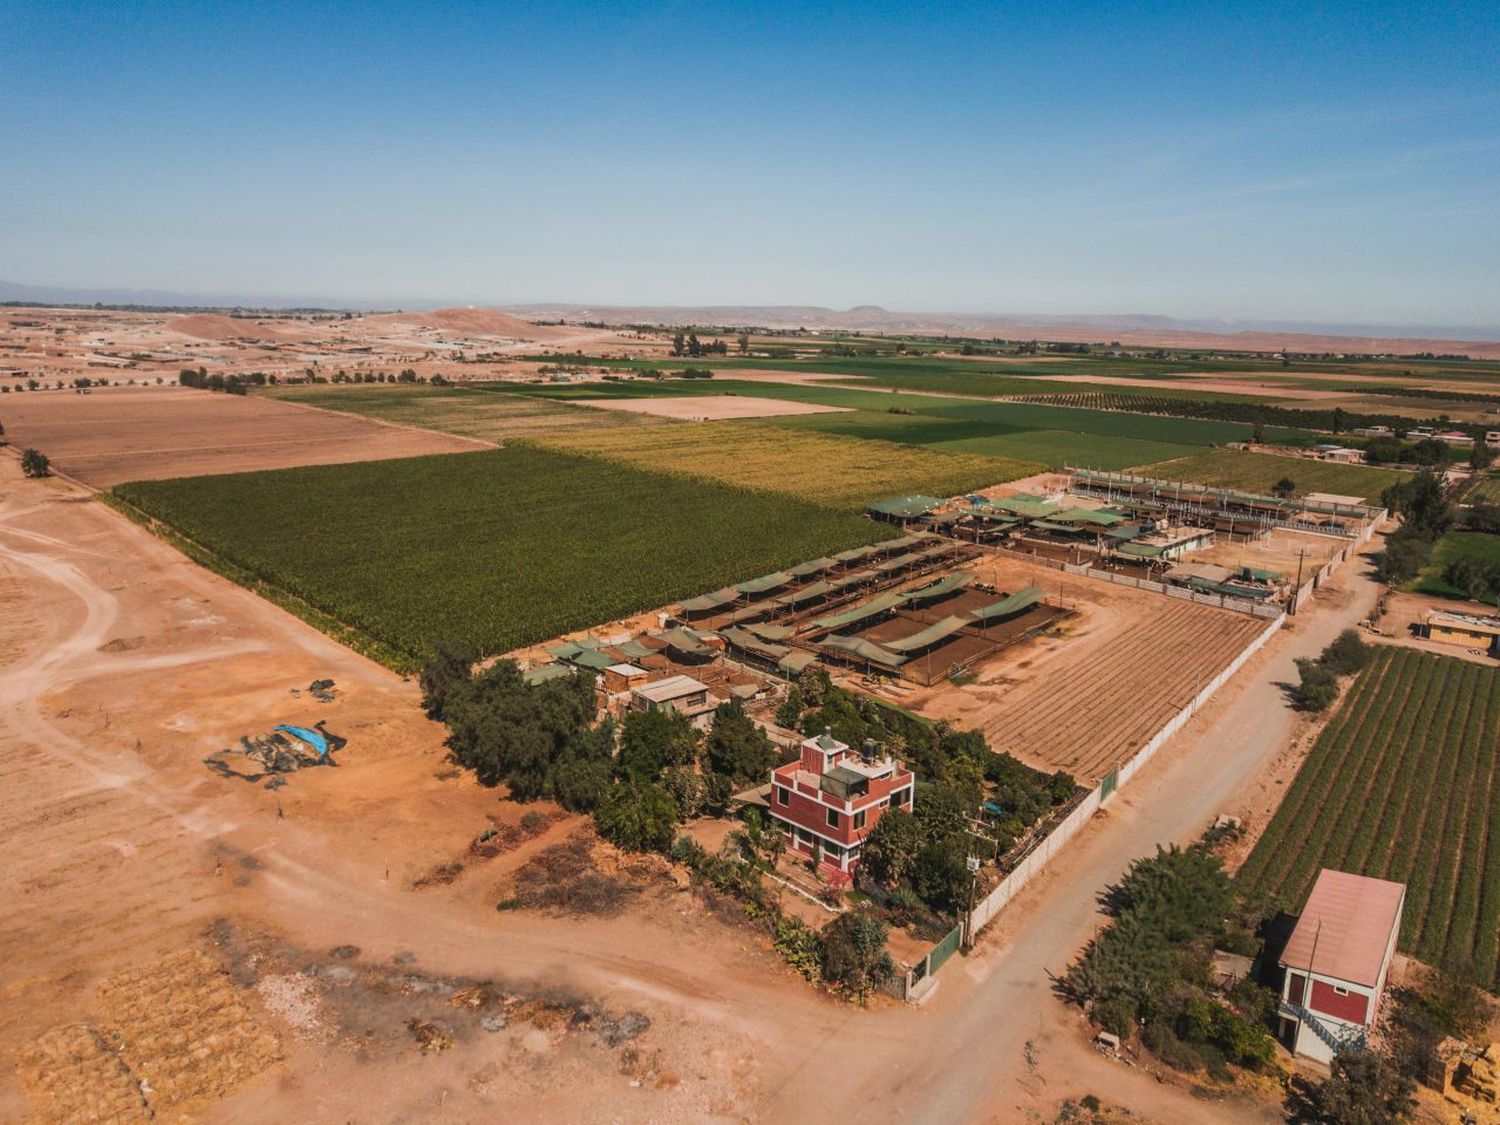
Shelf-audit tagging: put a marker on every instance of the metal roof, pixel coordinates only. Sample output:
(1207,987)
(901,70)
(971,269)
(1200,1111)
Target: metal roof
(1023,506)
(1346,927)
(673,687)
(904,507)
(1099,517)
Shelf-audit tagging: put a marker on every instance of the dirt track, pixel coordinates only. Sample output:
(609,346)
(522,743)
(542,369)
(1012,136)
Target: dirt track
(119,434)
(1087,698)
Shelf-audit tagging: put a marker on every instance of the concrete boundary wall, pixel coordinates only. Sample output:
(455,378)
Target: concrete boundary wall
(1041,854)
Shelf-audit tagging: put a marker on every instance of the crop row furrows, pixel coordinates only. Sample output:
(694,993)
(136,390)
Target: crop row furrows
(1313,778)
(1449,773)
(1462,939)
(1456,767)
(1361,761)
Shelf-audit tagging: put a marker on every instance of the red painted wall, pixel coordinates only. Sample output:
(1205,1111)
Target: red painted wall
(1352,1007)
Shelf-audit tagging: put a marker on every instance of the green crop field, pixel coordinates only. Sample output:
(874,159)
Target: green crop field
(497,549)
(822,468)
(1051,435)
(1404,784)
(1259,472)
(456,410)
(1486,491)
(1476,546)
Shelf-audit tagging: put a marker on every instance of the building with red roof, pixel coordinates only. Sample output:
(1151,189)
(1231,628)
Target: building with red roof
(1337,962)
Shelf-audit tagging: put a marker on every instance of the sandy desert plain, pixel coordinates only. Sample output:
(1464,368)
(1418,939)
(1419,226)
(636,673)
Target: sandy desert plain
(185,945)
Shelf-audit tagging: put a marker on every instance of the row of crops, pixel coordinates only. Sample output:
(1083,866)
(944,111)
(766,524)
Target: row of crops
(1403,784)
(497,549)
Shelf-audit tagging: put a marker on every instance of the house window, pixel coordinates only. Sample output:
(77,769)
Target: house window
(900,797)
(833,819)
(859,819)
(782,796)
(1340,990)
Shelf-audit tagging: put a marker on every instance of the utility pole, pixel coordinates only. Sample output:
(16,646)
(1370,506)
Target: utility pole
(1301,554)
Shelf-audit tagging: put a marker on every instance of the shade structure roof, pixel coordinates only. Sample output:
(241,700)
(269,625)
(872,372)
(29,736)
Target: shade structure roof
(764,582)
(1009,607)
(1098,518)
(1140,550)
(705,602)
(950,584)
(904,507)
(1023,506)
(544,672)
(806,594)
(865,650)
(1346,926)
(883,603)
(939,631)
(748,642)
(813,566)
(795,662)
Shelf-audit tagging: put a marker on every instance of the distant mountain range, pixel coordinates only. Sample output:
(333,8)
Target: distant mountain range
(873,318)
(1136,330)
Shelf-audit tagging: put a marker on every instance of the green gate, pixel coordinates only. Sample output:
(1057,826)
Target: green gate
(1110,783)
(943,950)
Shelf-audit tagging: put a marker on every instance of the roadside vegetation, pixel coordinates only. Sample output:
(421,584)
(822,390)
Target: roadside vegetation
(1318,684)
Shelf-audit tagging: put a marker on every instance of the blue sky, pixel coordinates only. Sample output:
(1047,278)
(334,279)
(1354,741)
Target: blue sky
(1336,162)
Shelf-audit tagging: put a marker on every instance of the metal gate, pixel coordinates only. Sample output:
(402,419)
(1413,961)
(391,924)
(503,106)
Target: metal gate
(943,950)
(1110,783)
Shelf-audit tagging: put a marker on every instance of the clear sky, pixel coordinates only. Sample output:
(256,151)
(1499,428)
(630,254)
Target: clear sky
(1261,160)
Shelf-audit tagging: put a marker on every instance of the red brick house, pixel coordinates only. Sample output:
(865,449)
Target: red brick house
(1337,963)
(831,798)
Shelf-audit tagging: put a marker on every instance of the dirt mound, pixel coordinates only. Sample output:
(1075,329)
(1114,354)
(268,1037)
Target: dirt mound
(215,326)
(476,322)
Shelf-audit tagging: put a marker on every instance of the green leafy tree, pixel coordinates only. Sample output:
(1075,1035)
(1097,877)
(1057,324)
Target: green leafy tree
(579,784)
(737,747)
(889,855)
(1347,654)
(638,816)
(941,874)
(789,714)
(1318,687)
(1364,1088)
(450,664)
(35,464)
(855,958)
(652,741)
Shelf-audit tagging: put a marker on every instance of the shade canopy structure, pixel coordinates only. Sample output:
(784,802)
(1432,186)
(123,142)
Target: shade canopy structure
(750,612)
(884,603)
(904,507)
(590,658)
(686,642)
(854,554)
(746,641)
(771,632)
(706,603)
(939,631)
(764,582)
(900,562)
(809,593)
(933,591)
(1009,607)
(1090,516)
(813,566)
(1023,506)
(865,650)
(795,662)
(544,672)
(1140,550)
(1060,528)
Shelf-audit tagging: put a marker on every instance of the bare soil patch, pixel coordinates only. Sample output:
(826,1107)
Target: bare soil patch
(709,408)
(1086,696)
(113,434)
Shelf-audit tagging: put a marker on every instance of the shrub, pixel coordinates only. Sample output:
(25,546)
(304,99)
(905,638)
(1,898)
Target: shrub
(579,784)
(638,816)
(35,464)
(855,958)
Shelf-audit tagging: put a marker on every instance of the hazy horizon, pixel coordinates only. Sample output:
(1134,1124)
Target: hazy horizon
(1242,164)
